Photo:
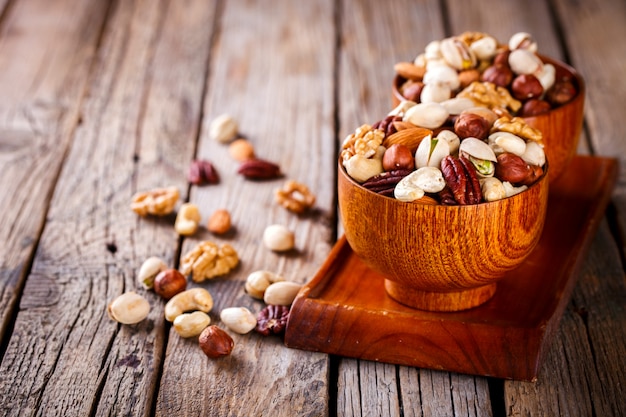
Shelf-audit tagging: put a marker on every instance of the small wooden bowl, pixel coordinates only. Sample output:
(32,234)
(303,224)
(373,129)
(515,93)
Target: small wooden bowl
(561,126)
(441,258)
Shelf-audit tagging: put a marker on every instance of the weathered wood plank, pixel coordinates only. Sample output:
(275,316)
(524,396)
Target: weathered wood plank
(272,70)
(138,130)
(585,368)
(41,85)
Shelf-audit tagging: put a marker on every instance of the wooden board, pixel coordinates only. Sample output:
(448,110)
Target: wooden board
(344,310)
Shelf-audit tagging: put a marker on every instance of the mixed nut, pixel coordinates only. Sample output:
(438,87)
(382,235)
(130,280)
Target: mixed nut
(188,309)
(481,157)
(510,77)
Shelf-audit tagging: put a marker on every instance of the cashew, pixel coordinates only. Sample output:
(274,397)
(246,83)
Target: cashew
(492,189)
(187,219)
(191,324)
(190,300)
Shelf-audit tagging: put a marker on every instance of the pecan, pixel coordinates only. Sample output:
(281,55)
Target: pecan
(387,125)
(447,197)
(272,320)
(259,169)
(461,177)
(385,182)
(202,172)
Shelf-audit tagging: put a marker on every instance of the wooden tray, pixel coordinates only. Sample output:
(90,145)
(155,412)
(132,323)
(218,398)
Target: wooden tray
(344,309)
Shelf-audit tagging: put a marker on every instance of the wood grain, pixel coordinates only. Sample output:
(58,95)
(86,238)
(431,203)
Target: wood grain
(41,85)
(65,354)
(275,77)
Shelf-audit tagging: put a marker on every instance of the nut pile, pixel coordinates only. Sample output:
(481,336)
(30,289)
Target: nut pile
(474,66)
(482,157)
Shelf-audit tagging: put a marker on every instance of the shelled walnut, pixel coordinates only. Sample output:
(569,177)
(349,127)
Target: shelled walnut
(208,260)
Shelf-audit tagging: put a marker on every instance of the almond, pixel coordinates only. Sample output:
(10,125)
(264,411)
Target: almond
(409,71)
(411,138)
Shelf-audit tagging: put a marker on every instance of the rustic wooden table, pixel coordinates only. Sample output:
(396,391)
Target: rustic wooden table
(100,99)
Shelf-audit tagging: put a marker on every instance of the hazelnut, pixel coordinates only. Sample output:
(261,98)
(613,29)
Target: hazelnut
(512,168)
(168,283)
(215,342)
(241,150)
(219,222)
(502,59)
(534,107)
(561,92)
(526,86)
(499,75)
(398,156)
(471,125)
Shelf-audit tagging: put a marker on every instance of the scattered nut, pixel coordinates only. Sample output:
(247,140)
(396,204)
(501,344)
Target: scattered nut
(241,150)
(278,238)
(219,222)
(223,128)
(272,320)
(281,293)
(191,324)
(238,319)
(149,270)
(170,282)
(258,281)
(207,260)
(187,219)
(158,202)
(215,342)
(398,156)
(295,196)
(128,308)
(195,299)
(202,172)
(471,125)
(259,169)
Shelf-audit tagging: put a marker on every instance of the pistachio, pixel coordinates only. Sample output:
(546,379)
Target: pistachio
(452,138)
(428,115)
(442,75)
(435,93)
(223,128)
(492,189)
(191,324)
(507,142)
(128,308)
(534,154)
(430,152)
(238,319)
(278,238)
(258,281)
(281,293)
(457,53)
(480,155)
(485,48)
(149,270)
(522,40)
(457,105)
(523,61)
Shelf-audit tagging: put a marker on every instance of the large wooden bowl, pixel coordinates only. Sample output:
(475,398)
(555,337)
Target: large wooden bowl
(561,126)
(441,258)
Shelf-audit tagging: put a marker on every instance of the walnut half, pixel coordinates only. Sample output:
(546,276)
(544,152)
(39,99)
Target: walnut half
(208,260)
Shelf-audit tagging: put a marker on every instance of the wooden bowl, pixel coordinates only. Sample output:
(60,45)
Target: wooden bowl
(441,258)
(561,126)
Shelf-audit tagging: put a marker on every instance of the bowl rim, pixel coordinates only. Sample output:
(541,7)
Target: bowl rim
(544,178)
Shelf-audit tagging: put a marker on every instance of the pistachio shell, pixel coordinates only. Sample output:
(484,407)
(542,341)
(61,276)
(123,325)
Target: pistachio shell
(511,190)
(534,155)
(435,93)
(428,115)
(523,61)
(508,142)
(457,54)
(547,76)
(478,149)
(457,105)
(442,74)
(431,152)
(432,50)
(407,191)
(522,40)
(492,189)
(485,48)
(452,139)
(429,179)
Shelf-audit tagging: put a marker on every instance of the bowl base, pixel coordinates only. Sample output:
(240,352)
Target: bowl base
(440,301)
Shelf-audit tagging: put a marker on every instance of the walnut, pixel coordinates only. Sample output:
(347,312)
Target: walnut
(519,127)
(159,201)
(490,95)
(295,196)
(207,260)
(364,141)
